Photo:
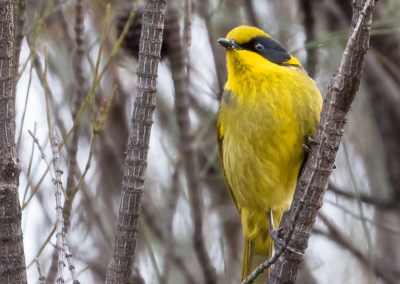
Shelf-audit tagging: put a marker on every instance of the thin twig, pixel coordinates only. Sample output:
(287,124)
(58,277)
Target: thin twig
(251,13)
(159,233)
(72,147)
(43,246)
(169,238)
(60,219)
(42,279)
(375,223)
(384,204)
(387,272)
(42,153)
(309,26)
(189,155)
(71,265)
(28,173)
(22,121)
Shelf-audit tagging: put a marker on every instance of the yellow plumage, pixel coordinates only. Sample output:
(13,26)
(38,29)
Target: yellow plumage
(268,107)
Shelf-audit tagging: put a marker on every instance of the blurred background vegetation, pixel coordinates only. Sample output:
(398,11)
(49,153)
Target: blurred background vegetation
(73,69)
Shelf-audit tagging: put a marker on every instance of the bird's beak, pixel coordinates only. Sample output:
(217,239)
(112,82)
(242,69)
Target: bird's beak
(228,43)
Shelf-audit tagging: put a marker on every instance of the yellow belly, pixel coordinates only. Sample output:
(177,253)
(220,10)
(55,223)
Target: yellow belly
(261,135)
(262,157)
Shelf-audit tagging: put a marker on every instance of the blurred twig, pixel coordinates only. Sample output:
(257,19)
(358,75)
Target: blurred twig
(169,237)
(309,26)
(42,279)
(190,158)
(388,273)
(251,13)
(72,146)
(389,204)
(159,233)
(71,265)
(20,12)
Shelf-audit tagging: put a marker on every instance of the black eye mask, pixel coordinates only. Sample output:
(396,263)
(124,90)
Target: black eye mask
(267,48)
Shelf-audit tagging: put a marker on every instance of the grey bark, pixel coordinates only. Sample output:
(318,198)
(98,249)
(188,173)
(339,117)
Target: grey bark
(120,269)
(12,258)
(314,178)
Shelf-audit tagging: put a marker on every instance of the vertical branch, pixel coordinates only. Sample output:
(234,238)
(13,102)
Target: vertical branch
(187,28)
(120,268)
(40,271)
(251,14)
(12,258)
(72,147)
(314,178)
(19,35)
(70,262)
(169,236)
(309,26)
(60,220)
(218,57)
(187,150)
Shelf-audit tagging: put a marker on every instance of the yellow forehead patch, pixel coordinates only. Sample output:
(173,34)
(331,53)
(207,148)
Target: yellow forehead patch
(243,34)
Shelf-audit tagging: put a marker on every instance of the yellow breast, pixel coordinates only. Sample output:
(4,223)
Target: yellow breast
(265,113)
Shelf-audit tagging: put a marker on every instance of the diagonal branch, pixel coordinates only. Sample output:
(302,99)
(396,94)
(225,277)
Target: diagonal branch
(385,271)
(314,178)
(120,269)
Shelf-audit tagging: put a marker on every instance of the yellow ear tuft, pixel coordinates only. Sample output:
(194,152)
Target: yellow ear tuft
(243,34)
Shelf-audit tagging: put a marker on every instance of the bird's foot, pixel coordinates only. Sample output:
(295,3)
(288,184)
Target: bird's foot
(277,235)
(309,141)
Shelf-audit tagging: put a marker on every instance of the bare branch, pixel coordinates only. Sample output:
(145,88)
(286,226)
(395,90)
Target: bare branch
(12,258)
(60,219)
(383,270)
(71,265)
(309,26)
(190,158)
(314,178)
(72,146)
(42,279)
(120,268)
(251,14)
(389,204)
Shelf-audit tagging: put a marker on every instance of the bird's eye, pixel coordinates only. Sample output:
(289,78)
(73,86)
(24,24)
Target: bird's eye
(259,46)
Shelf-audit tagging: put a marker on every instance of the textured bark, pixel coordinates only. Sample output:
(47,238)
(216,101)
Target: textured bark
(190,157)
(12,258)
(120,269)
(314,178)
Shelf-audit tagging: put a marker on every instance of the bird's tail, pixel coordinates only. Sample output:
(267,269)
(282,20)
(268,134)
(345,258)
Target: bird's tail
(251,260)
(259,249)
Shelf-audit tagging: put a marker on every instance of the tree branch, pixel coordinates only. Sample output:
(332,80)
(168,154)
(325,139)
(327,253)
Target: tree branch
(385,204)
(190,158)
(386,272)
(120,269)
(314,178)
(12,258)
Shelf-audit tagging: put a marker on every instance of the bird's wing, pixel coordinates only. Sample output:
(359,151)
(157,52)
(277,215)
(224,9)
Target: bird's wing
(220,137)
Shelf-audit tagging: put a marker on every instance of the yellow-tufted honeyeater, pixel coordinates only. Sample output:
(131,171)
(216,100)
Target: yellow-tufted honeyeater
(268,107)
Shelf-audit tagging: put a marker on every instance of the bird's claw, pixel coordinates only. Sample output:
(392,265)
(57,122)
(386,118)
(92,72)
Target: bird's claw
(308,142)
(278,234)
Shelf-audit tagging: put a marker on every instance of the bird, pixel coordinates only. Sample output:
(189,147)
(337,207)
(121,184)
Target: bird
(268,108)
